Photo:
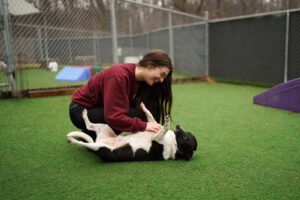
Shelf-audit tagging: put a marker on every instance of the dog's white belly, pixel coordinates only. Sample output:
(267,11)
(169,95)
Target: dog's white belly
(141,140)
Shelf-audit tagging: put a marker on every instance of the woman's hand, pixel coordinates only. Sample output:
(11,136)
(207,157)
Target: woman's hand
(153,127)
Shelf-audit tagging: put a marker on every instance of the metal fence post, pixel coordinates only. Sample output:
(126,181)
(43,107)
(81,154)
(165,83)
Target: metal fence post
(70,51)
(286,55)
(39,33)
(95,47)
(207,43)
(171,39)
(46,42)
(8,48)
(130,33)
(148,41)
(114,32)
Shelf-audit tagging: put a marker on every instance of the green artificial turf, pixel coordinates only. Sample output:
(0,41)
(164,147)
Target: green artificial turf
(245,151)
(37,78)
(42,78)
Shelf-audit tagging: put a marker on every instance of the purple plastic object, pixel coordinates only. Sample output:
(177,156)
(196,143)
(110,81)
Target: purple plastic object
(284,96)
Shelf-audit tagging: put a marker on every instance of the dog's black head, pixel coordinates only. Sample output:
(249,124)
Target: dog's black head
(186,144)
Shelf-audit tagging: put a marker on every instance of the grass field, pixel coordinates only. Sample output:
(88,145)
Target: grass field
(245,151)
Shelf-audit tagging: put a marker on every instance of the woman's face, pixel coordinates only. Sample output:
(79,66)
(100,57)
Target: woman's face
(155,74)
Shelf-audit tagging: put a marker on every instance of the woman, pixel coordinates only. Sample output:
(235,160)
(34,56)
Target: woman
(113,95)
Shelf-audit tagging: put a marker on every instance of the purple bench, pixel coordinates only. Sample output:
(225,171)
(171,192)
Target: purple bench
(284,96)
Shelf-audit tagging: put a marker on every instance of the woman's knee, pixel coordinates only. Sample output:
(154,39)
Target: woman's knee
(75,112)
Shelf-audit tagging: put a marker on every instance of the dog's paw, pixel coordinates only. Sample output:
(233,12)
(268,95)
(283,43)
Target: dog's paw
(142,105)
(167,118)
(69,139)
(84,112)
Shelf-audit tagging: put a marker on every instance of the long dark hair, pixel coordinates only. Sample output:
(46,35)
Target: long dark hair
(158,97)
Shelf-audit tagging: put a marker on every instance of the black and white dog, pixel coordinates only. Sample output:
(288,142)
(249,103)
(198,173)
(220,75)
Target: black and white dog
(141,146)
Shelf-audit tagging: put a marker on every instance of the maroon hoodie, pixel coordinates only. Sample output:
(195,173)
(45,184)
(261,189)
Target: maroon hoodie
(113,88)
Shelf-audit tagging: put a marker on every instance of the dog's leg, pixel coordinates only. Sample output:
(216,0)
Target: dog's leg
(89,125)
(161,133)
(81,135)
(149,116)
(102,130)
(93,146)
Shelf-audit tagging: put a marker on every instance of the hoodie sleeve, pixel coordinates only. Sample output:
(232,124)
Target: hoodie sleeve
(116,106)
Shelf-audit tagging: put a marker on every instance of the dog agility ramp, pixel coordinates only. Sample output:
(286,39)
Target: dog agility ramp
(69,73)
(284,96)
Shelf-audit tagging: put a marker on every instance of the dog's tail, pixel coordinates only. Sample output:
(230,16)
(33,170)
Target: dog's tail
(77,134)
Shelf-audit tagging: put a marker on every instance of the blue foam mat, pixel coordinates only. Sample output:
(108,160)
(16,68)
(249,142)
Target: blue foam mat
(69,73)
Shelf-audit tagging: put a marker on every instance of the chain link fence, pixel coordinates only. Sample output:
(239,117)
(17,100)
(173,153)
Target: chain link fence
(251,49)
(258,48)
(262,48)
(97,35)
